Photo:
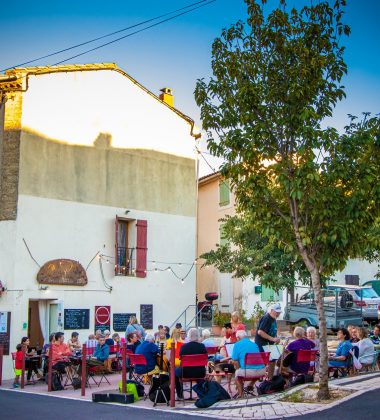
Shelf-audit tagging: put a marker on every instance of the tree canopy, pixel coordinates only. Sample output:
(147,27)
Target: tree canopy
(313,191)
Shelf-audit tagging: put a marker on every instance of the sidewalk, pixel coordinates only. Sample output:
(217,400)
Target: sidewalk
(264,407)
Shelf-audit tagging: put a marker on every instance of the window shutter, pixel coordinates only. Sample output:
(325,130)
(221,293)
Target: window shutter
(116,245)
(224,193)
(141,248)
(222,235)
(267,294)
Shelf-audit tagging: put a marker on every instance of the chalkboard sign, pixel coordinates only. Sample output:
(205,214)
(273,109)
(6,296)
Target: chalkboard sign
(5,331)
(146,316)
(77,319)
(121,321)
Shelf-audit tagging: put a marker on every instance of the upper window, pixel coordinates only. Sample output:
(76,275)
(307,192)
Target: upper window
(224,193)
(130,247)
(269,295)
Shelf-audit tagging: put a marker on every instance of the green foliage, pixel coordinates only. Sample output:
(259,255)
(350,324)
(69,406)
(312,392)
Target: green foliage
(221,318)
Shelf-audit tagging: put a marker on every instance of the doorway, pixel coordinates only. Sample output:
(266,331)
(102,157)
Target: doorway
(35,333)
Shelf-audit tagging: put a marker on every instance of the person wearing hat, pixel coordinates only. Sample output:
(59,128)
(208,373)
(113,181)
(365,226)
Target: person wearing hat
(267,331)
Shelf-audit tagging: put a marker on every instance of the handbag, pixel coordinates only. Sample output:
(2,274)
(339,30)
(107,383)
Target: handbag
(356,361)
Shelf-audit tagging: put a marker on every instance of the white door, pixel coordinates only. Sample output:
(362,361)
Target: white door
(55,316)
(226,292)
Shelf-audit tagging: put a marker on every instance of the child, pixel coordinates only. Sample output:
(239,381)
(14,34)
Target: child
(18,366)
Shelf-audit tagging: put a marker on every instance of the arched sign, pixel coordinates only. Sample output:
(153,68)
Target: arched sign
(62,271)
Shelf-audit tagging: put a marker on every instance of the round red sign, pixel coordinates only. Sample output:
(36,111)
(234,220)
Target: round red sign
(102,315)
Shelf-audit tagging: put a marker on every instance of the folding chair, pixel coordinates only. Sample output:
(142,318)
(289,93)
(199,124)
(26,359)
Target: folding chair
(308,356)
(253,359)
(140,360)
(343,371)
(93,367)
(192,360)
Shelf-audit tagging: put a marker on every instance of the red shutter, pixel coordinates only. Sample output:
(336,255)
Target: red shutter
(116,245)
(141,248)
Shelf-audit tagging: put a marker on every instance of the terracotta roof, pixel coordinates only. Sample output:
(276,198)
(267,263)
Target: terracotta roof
(9,83)
(208,178)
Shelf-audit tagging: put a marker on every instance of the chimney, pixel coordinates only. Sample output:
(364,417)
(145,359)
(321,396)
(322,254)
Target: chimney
(167,96)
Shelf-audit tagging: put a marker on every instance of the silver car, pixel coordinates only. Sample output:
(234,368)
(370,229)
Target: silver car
(359,297)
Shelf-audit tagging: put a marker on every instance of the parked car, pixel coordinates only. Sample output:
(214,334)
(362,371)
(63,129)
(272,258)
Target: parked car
(304,310)
(375,284)
(358,297)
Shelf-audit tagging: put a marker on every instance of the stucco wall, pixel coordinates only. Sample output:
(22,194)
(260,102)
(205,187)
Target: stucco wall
(64,229)
(101,174)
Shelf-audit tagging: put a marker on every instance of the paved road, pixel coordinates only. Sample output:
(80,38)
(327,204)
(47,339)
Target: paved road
(17,405)
(364,406)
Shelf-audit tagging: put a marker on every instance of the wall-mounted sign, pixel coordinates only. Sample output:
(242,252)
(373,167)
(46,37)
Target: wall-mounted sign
(77,319)
(146,316)
(102,318)
(66,272)
(5,330)
(121,321)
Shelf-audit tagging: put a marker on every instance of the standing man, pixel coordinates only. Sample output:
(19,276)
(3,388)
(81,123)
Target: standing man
(267,332)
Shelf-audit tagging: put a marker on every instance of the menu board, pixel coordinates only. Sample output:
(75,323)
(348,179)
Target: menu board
(121,321)
(5,331)
(146,316)
(77,319)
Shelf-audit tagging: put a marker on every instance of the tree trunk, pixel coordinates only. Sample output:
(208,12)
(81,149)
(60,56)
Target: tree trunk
(323,392)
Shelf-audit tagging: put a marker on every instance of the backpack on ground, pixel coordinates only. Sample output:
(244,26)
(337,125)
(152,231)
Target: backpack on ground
(302,378)
(210,392)
(277,384)
(56,384)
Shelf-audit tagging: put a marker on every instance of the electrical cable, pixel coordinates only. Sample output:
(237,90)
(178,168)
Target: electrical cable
(103,36)
(133,33)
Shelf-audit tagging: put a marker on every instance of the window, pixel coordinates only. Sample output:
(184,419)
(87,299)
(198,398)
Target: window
(269,295)
(224,193)
(222,236)
(130,247)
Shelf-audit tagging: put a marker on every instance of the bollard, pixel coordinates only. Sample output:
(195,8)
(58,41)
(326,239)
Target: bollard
(172,375)
(83,371)
(23,368)
(1,364)
(50,367)
(124,368)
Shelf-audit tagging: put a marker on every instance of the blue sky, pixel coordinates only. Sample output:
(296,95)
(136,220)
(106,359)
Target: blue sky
(178,52)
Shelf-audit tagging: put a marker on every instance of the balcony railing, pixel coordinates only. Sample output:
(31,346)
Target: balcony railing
(124,261)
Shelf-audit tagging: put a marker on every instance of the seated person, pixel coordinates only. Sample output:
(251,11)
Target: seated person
(178,337)
(192,347)
(160,328)
(311,334)
(92,342)
(150,351)
(290,364)
(375,335)
(167,331)
(45,353)
(243,346)
(73,343)
(353,334)
(207,340)
(343,349)
(160,336)
(132,342)
(31,363)
(101,354)
(366,347)
(109,340)
(60,352)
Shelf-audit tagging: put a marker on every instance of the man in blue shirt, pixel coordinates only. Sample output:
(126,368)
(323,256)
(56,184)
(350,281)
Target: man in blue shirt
(243,346)
(150,351)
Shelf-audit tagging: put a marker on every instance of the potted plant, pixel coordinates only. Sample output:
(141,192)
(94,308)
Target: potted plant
(219,319)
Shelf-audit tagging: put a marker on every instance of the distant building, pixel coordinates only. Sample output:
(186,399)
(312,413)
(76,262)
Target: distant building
(215,201)
(92,162)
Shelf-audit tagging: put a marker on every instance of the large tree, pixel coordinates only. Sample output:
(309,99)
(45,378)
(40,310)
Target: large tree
(313,190)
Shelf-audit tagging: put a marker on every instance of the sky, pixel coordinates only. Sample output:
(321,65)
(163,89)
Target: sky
(176,53)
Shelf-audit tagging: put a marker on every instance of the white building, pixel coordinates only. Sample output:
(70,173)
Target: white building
(92,163)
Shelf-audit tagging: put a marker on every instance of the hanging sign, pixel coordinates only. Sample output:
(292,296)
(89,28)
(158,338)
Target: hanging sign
(102,318)
(62,271)
(146,316)
(5,331)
